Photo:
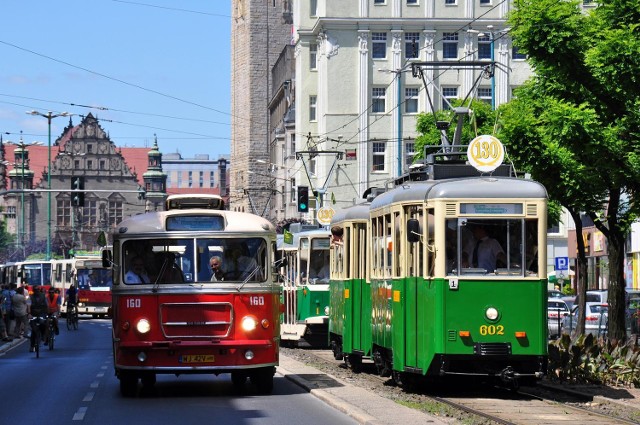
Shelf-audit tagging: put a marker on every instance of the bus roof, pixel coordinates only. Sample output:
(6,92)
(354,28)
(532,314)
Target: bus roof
(155,222)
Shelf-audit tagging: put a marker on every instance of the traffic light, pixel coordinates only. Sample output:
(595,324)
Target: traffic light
(77,198)
(303,199)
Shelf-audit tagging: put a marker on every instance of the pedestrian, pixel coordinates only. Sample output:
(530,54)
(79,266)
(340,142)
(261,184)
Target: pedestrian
(20,310)
(7,295)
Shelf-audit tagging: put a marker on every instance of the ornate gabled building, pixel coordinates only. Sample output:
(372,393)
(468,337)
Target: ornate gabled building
(83,157)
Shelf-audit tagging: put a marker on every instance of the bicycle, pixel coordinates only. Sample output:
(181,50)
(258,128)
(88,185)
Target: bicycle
(36,334)
(72,318)
(51,338)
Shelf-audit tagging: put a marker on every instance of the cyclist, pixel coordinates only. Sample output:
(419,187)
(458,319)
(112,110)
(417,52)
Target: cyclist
(38,311)
(71,299)
(53,303)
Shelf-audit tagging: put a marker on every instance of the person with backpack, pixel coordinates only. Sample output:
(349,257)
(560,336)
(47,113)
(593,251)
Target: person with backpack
(38,312)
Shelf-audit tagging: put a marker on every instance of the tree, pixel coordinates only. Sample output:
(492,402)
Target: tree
(575,125)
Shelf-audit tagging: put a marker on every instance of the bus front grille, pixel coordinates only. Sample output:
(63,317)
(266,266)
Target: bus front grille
(196,320)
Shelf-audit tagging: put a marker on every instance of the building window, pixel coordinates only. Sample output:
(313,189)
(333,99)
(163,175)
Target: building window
(378,100)
(11,212)
(378,1)
(484,94)
(102,164)
(63,210)
(293,145)
(313,8)
(516,55)
(409,153)
(212,180)
(76,164)
(484,47)
(89,165)
(411,100)
(448,94)
(179,179)
(312,108)
(449,2)
(201,179)
(90,213)
(450,45)
(412,2)
(377,159)
(293,191)
(190,184)
(485,1)
(411,45)
(313,56)
(89,148)
(115,212)
(379,45)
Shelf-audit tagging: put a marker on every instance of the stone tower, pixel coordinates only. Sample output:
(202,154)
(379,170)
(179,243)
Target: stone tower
(259,31)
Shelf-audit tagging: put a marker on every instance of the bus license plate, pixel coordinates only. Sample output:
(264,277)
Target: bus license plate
(197,358)
(101,309)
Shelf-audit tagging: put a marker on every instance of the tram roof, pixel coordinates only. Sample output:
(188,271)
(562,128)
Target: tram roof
(353,213)
(466,188)
(235,221)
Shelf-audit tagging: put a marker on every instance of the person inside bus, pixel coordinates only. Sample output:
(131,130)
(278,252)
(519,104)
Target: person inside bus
(242,266)
(217,274)
(137,272)
(487,251)
(54,301)
(168,270)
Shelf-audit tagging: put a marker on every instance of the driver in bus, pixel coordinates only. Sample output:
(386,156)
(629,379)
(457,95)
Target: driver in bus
(137,272)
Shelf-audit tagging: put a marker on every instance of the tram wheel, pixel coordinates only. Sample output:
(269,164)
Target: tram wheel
(354,362)
(337,350)
(263,380)
(128,384)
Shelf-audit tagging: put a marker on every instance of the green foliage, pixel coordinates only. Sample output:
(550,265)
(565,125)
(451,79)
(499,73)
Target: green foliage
(587,360)
(481,120)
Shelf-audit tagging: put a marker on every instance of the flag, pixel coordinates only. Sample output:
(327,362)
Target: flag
(288,237)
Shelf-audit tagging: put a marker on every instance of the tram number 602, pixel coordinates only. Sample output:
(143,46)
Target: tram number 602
(491,330)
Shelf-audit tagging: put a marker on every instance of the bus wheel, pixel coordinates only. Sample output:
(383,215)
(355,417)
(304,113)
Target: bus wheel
(148,379)
(128,384)
(238,379)
(263,380)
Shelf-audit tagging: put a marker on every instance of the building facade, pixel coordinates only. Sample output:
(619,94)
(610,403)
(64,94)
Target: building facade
(94,185)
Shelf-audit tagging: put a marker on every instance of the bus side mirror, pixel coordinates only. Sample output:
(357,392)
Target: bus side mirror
(413,230)
(107,258)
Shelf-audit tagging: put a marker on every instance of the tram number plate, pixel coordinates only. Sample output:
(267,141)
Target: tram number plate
(197,358)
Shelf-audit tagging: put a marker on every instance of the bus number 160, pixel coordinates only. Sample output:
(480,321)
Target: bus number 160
(133,303)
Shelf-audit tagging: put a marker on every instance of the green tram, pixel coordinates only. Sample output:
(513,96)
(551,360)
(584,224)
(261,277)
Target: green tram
(304,278)
(411,290)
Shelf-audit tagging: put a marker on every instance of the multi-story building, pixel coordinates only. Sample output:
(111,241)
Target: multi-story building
(94,185)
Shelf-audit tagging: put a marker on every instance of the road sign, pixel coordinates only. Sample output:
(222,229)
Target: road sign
(324,215)
(562,263)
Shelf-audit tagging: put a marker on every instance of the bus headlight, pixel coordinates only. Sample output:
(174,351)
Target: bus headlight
(248,323)
(491,313)
(143,326)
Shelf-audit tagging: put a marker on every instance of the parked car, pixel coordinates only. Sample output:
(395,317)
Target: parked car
(595,320)
(557,309)
(554,293)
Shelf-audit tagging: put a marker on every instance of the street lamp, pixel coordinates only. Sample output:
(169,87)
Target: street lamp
(49,116)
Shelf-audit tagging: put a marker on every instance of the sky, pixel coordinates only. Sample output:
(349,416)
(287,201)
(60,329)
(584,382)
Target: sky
(145,69)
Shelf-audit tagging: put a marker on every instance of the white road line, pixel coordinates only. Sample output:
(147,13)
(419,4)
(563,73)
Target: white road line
(89,396)
(79,415)
(95,384)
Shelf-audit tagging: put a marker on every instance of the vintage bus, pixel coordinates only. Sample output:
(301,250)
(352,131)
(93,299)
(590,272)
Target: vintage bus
(169,317)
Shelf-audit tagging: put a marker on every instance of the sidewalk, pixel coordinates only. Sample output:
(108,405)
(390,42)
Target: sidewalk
(360,404)
(7,345)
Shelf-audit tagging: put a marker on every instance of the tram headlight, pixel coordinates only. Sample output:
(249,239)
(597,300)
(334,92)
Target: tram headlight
(491,313)
(248,323)
(326,311)
(143,326)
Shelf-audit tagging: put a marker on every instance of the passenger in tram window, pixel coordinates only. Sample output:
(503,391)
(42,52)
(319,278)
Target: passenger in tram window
(487,250)
(137,272)
(240,265)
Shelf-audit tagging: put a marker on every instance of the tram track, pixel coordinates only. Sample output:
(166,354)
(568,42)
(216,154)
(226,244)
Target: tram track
(475,404)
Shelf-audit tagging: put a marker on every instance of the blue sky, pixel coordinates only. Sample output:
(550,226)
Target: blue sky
(158,67)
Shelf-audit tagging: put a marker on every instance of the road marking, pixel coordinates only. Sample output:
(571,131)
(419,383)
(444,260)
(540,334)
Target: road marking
(79,415)
(95,384)
(89,396)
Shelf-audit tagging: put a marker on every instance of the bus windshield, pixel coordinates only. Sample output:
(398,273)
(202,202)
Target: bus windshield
(94,279)
(189,260)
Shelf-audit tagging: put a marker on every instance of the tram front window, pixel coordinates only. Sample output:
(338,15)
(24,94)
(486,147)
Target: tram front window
(477,246)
